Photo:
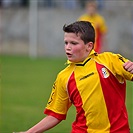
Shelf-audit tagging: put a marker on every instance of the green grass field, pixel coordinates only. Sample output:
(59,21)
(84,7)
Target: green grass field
(25,88)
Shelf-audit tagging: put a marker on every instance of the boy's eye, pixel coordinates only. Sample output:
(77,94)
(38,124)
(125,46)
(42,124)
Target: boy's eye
(74,43)
(66,43)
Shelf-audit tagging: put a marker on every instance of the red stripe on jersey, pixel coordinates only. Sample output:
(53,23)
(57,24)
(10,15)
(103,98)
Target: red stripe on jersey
(79,126)
(56,115)
(114,95)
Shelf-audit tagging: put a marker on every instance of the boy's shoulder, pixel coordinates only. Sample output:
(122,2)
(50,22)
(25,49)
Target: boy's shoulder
(66,72)
(111,57)
(108,54)
(105,55)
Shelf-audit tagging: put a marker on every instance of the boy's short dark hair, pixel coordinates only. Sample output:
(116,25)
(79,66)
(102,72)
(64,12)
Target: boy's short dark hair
(83,28)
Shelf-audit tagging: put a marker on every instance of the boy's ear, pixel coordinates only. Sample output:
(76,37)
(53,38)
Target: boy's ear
(90,46)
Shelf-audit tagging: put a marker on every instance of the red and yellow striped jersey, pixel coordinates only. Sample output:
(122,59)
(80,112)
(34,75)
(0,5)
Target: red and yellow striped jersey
(96,87)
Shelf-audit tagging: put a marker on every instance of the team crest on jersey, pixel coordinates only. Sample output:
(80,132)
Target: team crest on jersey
(104,72)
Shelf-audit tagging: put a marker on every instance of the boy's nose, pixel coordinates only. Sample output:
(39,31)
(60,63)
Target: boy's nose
(68,47)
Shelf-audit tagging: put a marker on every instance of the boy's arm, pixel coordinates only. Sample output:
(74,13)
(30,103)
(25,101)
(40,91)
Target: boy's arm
(128,66)
(47,123)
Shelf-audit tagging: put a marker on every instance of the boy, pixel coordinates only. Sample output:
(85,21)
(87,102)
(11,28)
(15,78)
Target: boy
(93,83)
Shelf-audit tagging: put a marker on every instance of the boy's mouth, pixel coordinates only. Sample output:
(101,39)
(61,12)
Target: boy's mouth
(68,54)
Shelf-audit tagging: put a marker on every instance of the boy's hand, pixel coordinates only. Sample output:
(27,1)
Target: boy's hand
(128,66)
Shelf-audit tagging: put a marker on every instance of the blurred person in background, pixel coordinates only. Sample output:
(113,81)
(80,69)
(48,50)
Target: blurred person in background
(98,23)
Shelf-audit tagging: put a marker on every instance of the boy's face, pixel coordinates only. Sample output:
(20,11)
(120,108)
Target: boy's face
(75,48)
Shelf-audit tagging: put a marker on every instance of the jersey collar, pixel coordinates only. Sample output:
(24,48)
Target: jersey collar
(92,53)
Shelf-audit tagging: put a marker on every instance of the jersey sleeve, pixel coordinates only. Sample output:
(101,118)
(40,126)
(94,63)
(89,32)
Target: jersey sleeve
(118,68)
(58,103)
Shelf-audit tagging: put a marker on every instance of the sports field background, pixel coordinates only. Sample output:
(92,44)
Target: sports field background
(25,88)
(26,83)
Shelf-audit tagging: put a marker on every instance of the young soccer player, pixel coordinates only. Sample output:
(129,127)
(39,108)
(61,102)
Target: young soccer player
(94,83)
